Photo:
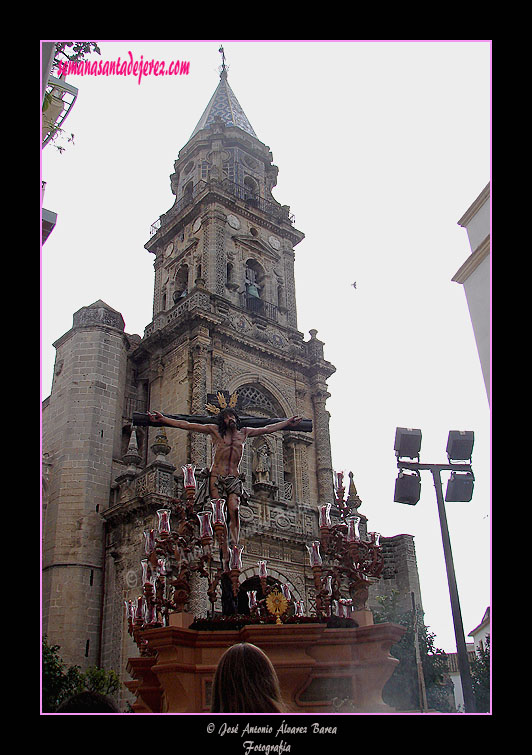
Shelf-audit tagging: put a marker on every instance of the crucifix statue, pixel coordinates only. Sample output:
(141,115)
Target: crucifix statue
(228,433)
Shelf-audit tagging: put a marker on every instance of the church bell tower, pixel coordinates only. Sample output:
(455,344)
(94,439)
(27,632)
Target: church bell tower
(224,306)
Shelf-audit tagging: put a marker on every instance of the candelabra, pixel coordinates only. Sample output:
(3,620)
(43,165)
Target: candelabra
(341,561)
(173,553)
(176,551)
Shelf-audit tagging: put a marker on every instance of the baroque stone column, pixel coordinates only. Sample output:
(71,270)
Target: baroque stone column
(324,468)
(200,357)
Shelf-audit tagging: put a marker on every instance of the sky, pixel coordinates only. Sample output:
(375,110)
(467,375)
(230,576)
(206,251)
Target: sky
(381,148)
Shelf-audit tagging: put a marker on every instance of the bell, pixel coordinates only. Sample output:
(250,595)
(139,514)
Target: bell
(253,290)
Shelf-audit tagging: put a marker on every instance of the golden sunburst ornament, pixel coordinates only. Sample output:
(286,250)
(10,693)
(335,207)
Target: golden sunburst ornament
(225,401)
(276,603)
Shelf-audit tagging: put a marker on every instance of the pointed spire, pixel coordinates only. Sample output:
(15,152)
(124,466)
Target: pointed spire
(224,104)
(132,456)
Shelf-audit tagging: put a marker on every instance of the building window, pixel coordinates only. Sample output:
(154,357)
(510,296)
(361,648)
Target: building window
(187,192)
(251,186)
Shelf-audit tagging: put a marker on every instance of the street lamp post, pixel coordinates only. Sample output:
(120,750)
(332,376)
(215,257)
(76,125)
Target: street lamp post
(460,488)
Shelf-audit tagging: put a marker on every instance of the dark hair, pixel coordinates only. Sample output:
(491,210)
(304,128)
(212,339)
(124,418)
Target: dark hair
(88,702)
(245,681)
(222,427)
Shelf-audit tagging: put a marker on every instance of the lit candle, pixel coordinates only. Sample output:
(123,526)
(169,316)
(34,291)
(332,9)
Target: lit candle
(149,541)
(374,537)
(286,591)
(130,611)
(325,519)
(353,533)
(218,510)
(236,557)
(164,521)
(151,614)
(347,605)
(314,553)
(262,569)
(145,574)
(205,523)
(189,480)
(139,608)
(328,585)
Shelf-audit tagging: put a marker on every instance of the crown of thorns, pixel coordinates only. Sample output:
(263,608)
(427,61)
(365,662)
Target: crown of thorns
(221,400)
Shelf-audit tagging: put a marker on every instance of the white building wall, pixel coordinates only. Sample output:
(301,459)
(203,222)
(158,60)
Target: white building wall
(475,276)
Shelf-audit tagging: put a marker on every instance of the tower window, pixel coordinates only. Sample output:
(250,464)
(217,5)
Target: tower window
(181,283)
(251,185)
(187,192)
(254,278)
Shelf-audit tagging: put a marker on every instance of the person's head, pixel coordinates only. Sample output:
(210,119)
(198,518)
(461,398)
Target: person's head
(245,681)
(88,702)
(227,419)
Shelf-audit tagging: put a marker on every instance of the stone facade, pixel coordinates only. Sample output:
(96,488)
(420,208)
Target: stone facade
(224,317)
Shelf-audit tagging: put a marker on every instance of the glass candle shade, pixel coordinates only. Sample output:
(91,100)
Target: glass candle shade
(286,592)
(347,604)
(139,608)
(314,553)
(130,611)
(328,585)
(149,541)
(252,598)
(236,557)
(151,614)
(189,481)
(375,538)
(353,533)
(205,523)
(325,519)
(218,510)
(145,571)
(164,521)
(339,479)
(262,569)
(299,608)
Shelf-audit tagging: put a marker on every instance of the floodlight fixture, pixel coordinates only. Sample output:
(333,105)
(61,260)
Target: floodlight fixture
(460,487)
(407,488)
(460,445)
(407,443)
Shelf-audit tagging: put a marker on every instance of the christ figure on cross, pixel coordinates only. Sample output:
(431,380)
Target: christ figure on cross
(228,440)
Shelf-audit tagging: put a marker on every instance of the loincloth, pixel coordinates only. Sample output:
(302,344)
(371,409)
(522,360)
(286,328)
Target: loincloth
(225,484)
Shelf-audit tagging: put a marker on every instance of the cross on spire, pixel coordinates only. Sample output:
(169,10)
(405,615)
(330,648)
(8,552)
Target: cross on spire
(221,50)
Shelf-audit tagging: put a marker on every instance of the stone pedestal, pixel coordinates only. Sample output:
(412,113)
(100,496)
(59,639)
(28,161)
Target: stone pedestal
(314,664)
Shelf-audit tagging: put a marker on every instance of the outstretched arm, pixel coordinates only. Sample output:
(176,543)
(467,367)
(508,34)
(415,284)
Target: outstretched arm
(182,424)
(285,424)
